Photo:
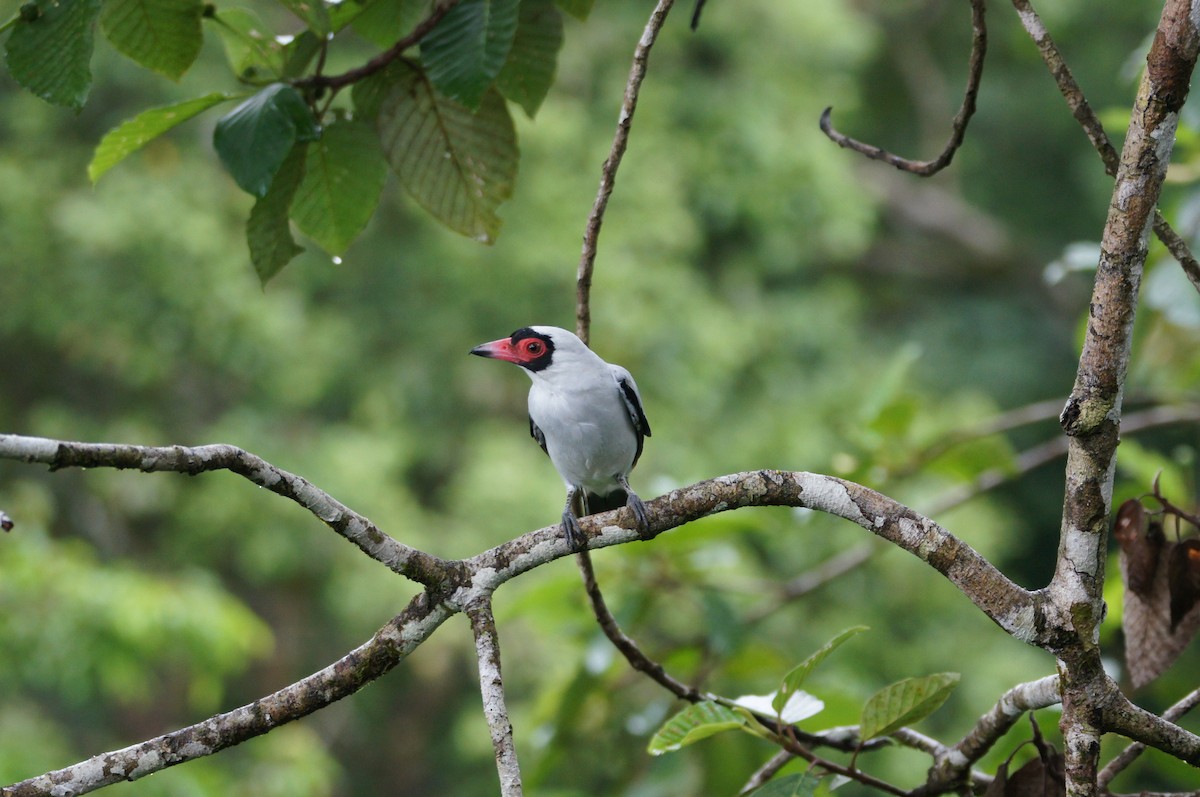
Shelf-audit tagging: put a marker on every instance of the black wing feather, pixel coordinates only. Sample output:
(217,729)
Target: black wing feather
(537,434)
(633,402)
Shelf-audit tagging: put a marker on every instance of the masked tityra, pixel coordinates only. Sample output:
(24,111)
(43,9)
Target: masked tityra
(586,414)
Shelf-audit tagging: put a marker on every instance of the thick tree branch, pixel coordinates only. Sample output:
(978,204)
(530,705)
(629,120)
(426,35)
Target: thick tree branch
(608,172)
(390,645)
(1092,415)
(1130,753)
(1083,113)
(958,128)
(495,710)
(409,562)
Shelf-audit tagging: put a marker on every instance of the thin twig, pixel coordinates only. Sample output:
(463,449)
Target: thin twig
(1131,753)
(608,173)
(495,710)
(381,61)
(1083,113)
(958,128)
(767,771)
(403,559)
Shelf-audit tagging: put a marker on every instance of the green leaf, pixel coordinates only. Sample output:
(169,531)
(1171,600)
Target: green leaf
(467,49)
(384,22)
(255,137)
(267,230)
(803,784)
(696,722)
(49,53)
(163,35)
(343,179)
(460,166)
(252,52)
(133,134)
(313,13)
(796,676)
(904,703)
(529,71)
(577,8)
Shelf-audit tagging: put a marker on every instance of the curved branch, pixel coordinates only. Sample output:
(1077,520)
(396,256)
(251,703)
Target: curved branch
(1083,113)
(495,710)
(608,172)
(1120,715)
(390,645)
(1130,753)
(403,559)
(958,128)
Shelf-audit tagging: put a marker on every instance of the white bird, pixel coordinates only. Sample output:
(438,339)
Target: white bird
(586,414)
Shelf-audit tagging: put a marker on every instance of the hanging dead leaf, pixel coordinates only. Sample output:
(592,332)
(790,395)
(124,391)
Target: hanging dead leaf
(1140,545)
(1043,776)
(1183,579)
(1154,638)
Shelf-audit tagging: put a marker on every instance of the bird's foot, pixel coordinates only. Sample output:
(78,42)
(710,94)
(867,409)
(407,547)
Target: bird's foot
(638,509)
(576,539)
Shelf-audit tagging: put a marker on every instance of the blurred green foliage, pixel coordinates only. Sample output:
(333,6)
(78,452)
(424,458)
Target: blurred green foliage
(782,303)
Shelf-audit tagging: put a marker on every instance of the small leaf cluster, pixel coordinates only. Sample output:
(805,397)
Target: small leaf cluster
(432,107)
(768,717)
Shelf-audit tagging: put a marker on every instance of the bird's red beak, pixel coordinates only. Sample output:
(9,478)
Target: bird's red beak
(498,350)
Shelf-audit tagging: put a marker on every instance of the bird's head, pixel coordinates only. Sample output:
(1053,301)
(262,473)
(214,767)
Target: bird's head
(533,348)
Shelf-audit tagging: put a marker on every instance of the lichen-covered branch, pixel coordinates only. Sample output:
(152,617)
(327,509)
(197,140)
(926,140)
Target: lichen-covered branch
(390,645)
(1130,753)
(491,686)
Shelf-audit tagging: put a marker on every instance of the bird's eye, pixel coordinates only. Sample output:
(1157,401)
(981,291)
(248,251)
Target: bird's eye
(534,347)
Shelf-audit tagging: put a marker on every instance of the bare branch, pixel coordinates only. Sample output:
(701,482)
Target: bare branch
(767,771)
(1122,716)
(1130,753)
(405,560)
(958,128)
(487,650)
(1094,129)
(608,172)
(390,645)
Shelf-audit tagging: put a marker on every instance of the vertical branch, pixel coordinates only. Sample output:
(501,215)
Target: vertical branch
(487,650)
(1092,414)
(608,173)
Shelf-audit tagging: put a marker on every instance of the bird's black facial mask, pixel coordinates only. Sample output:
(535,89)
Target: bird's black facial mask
(531,350)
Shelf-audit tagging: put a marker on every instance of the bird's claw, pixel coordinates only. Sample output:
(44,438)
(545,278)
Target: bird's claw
(576,539)
(638,509)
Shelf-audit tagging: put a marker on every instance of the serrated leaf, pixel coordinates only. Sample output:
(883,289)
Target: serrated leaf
(268,233)
(696,722)
(250,48)
(50,54)
(384,22)
(343,179)
(580,9)
(460,166)
(803,784)
(905,702)
(163,35)
(529,71)
(467,49)
(255,137)
(797,675)
(313,13)
(133,134)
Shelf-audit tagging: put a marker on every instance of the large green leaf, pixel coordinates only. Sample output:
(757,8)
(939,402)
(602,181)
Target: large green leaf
(905,702)
(467,49)
(50,48)
(133,134)
(255,137)
(163,35)
(383,22)
(250,48)
(460,166)
(343,179)
(696,722)
(267,230)
(803,784)
(529,71)
(797,675)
